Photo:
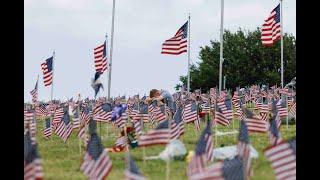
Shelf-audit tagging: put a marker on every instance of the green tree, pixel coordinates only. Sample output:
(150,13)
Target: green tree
(246,62)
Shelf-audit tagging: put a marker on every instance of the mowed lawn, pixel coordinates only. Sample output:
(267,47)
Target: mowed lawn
(62,160)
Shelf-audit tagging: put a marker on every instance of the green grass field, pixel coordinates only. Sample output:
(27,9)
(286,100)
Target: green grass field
(62,160)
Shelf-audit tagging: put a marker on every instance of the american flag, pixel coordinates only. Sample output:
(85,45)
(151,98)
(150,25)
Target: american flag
(65,127)
(292,110)
(76,119)
(282,107)
(121,142)
(226,108)
(177,125)
(228,170)
(189,112)
(264,107)
(220,117)
(178,43)
(32,161)
(137,124)
(282,157)
(100,58)
(274,134)
(271,29)
(58,114)
(205,107)
(47,131)
(160,135)
(243,147)
(120,117)
(47,69)
(34,93)
(156,113)
(255,123)
(41,111)
(264,116)
(85,115)
(203,152)
(96,162)
(275,114)
(102,112)
(132,173)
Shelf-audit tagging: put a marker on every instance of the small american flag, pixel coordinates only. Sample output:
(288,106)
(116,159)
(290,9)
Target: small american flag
(96,162)
(32,161)
(292,110)
(76,119)
(282,107)
(41,111)
(132,173)
(47,131)
(243,147)
(205,107)
(47,69)
(157,113)
(282,157)
(189,112)
(100,58)
(220,117)
(255,123)
(271,29)
(274,134)
(177,125)
(121,142)
(160,135)
(58,114)
(178,43)
(34,93)
(102,113)
(228,170)
(203,152)
(65,127)
(226,108)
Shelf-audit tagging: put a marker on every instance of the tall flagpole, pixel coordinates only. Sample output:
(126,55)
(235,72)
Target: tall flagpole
(281,21)
(221,48)
(111,48)
(188,89)
(53,59)
(106,48)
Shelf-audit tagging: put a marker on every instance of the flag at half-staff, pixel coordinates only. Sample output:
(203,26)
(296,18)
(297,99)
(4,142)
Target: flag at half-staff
(178,43)
(47,68)
(100,58)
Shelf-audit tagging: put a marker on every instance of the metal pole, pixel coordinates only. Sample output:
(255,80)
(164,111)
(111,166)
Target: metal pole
(221,48)
(53,59)
(111,48)
(224,82)
(106,44)
(281,20)
(188,89)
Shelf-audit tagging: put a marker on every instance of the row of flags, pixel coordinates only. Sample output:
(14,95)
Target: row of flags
(90,109)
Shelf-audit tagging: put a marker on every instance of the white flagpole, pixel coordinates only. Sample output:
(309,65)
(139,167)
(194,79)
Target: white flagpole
(221,48)
(281,21)
(188,89)
(53,59)
(111,48)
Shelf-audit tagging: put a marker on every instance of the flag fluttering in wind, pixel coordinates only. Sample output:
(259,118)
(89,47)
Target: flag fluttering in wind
(96,84)
(271,29)
(34,93)
(47,69)
(178,43)
(100,58)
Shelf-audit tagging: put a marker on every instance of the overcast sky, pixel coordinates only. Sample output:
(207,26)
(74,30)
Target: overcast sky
(73,28)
